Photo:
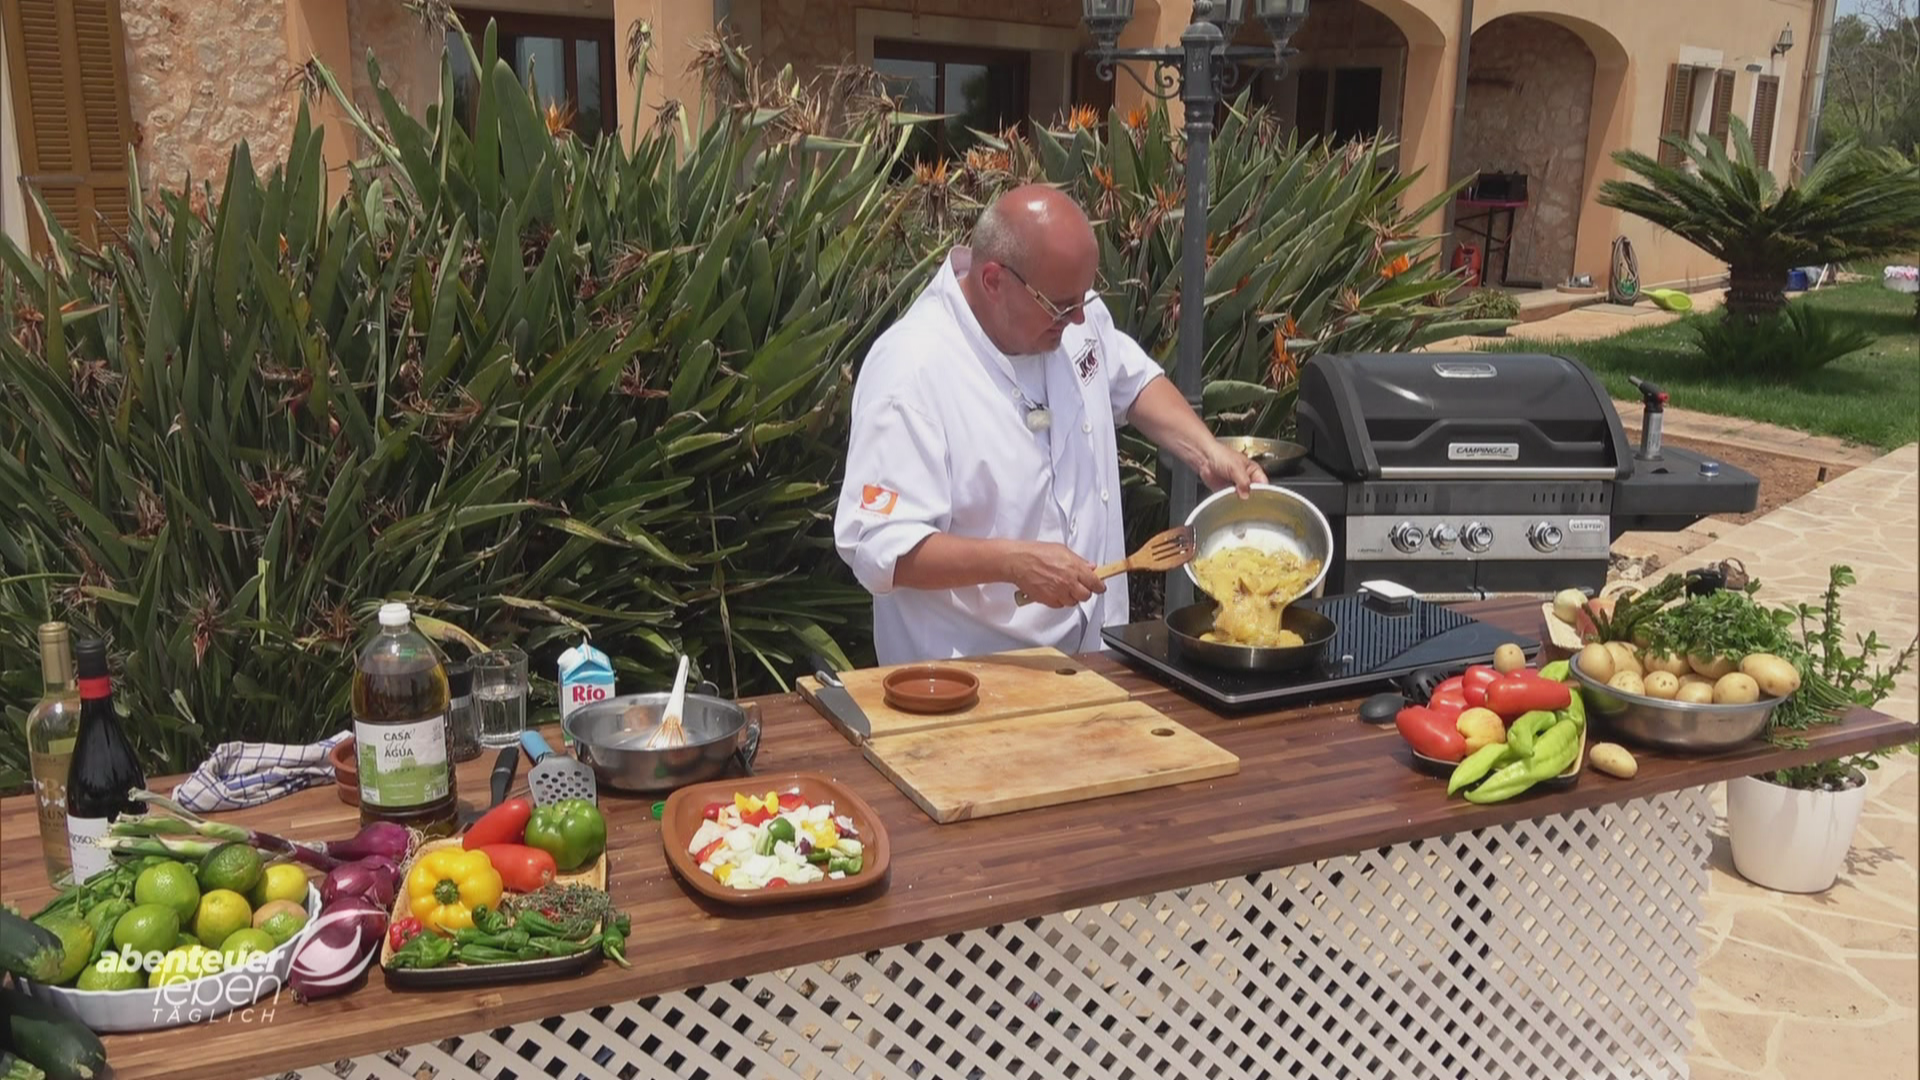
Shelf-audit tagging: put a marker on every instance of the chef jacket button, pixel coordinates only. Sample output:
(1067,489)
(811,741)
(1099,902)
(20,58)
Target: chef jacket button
(1103,496)
(1085,426)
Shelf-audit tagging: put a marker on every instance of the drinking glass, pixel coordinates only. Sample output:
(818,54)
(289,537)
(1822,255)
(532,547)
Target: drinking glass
(500,695)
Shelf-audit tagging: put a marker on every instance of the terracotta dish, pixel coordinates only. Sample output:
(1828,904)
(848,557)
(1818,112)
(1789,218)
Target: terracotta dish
(929,688)
(346,771)
(683,815)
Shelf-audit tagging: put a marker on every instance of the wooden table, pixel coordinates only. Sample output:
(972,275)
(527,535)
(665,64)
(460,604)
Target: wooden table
(1250,888)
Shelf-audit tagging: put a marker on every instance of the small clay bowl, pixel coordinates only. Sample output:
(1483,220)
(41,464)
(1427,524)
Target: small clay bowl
(929,688)
(346,771)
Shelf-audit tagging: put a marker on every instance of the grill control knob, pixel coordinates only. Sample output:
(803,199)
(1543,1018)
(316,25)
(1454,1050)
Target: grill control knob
(1477,536)
(1443,537)
(1406,536)
(1544,536)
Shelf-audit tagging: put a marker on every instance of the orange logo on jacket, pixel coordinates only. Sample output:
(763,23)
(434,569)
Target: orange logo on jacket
(878,499)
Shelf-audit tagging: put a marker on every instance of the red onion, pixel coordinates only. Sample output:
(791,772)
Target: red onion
(345,938)
(374,878)
(383,838)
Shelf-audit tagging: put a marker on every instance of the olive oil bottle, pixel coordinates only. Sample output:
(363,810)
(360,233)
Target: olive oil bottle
(52,727)
(400,706)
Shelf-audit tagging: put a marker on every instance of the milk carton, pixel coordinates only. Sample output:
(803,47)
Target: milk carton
(586,676)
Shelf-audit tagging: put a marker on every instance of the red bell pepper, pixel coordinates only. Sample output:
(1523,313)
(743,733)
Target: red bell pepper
(504,824)
(1475,682)
(1430,733)
(522,868)
(1449,702)
(1523,691)
(1456,683)
(701,856)
(791,801)
(403,931)
(712,810)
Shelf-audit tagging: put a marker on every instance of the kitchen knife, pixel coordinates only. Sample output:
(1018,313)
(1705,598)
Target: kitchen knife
(833,697)
(504,767)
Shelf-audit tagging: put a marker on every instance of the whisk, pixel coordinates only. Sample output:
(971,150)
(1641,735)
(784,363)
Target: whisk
(671,732)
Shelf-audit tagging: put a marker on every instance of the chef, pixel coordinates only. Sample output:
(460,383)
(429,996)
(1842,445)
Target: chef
(983,458)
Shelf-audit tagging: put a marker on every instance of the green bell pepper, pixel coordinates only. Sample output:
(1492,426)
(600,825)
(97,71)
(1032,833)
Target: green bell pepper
(571,830)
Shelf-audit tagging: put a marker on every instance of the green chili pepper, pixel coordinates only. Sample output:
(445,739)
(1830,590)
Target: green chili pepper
(489,920)
(1477,765)
(1576,710)
(1556,672)
(425,950)
(539,925)
(1553,753)
(613,943)
(1511,780)
(1521,735)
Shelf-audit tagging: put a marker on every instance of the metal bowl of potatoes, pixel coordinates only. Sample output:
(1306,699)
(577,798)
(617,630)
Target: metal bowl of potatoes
(1674,725)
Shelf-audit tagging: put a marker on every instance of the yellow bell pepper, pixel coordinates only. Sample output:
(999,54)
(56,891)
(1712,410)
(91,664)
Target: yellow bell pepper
(824,833)
(445,886)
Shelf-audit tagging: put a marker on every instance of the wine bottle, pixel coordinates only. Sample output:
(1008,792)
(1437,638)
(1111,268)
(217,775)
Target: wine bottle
(104,769)
(51,728)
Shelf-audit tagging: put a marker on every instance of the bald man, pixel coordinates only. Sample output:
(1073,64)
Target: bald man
(983,459)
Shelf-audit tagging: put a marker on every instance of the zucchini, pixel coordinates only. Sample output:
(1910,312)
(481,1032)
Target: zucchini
(47,1036)
(12,1068)
(29,951)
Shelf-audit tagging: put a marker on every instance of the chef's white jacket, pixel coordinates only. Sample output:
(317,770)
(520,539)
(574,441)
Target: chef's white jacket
(940,443)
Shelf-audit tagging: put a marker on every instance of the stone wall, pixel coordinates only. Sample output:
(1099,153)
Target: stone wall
(203,75)
(1529,102)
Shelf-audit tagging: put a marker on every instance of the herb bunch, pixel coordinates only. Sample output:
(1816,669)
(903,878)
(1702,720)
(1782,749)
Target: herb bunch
(1727,624)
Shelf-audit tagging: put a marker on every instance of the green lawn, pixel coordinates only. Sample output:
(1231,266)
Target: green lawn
(1871,396)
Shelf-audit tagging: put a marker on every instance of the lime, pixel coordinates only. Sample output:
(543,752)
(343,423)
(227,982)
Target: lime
(107,974)
(221,912)
(232,865)
(281,881)
(76,944)
(149,928)
(186,941)
(185,964)
(244,943)
(168,883)
(281,925)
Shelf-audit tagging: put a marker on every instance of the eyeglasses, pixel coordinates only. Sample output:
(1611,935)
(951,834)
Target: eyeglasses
(1054,311)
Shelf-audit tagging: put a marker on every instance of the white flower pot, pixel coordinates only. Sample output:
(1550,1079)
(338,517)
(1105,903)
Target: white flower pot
(1791,840)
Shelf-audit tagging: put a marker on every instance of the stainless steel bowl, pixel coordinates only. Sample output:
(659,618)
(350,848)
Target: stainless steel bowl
(1188,623)
(1270,518)
(611,736)
(1275,456)
(1675,725)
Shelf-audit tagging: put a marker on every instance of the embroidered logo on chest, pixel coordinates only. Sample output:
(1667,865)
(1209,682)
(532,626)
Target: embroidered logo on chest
(1086,364)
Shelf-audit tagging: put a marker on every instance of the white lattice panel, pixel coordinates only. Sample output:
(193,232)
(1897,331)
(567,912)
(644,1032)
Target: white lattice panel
(1557,948)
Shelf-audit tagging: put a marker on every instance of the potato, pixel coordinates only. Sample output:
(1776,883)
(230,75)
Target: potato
(1711,666)
(1695,693)
(1624,658)
(1673,665)
(1662,684)
(1596,662)
(1777,677)
(1735,689)
(1613,759)
(1566,605)
(1509,657)
(1627,682)
(1690,677)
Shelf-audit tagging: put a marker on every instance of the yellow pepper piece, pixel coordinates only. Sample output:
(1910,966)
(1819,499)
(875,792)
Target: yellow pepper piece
(746,804)
(722,873)
(444,887)
(824,834)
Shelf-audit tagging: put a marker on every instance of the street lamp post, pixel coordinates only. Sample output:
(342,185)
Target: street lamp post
(1199,71)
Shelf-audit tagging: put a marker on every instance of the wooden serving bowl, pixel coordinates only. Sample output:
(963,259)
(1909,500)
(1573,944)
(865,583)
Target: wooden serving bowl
(682,819)
(931,688)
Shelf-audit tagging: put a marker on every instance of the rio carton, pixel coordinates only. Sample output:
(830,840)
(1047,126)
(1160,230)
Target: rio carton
(586,676)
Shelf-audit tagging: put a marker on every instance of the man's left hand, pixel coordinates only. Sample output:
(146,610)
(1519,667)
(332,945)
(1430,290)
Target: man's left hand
(1223,467)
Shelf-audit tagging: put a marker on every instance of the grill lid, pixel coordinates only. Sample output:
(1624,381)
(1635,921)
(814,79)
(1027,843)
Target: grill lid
(1373,416)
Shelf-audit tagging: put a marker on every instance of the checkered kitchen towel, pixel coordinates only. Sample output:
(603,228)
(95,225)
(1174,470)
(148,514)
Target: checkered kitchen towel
(248,774)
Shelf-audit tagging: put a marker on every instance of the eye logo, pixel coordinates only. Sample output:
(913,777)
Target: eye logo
(877,499)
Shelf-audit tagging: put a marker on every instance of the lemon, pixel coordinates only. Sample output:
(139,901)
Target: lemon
(76,944)
(242,944)
(221,912)
(232,865)
(107,974)
(185,964)
(171,884)
(281,881)
(148,928)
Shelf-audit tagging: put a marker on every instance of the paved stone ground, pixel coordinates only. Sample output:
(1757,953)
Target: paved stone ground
(1805,987)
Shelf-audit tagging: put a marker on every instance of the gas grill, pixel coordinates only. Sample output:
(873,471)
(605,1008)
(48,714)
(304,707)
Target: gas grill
(1476,473)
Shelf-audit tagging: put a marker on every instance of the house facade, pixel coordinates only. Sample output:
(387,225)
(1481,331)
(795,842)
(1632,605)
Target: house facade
(1531,95)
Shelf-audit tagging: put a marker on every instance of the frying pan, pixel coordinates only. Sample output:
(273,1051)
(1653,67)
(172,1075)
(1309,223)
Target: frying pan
(1185,625)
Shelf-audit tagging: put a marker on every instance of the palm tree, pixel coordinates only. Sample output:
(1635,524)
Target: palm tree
(1855,203)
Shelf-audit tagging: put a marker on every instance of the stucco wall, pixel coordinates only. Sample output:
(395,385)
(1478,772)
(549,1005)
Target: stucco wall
(409,54)
(203,75)
(1529,103)
(810,34)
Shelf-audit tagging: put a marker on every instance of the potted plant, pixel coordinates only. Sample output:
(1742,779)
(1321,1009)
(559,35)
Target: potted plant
(1791,829)
(1499,309)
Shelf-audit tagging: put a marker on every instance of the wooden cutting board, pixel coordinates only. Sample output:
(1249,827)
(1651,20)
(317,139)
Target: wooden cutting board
(1017,683)
(1019,763)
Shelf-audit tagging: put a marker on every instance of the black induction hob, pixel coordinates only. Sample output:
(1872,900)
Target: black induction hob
(1376,641)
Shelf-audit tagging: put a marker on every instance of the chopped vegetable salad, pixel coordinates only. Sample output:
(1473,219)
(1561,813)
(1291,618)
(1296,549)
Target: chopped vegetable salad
(775,840)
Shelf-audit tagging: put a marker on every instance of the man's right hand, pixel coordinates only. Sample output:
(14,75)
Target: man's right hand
(1052,574)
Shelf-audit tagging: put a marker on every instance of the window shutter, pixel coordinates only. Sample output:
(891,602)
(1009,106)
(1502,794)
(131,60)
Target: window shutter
(1766,102)
(1722,107)
(67,60)
(1676,119)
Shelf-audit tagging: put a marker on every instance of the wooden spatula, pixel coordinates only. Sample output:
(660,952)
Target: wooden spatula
(1165,551)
